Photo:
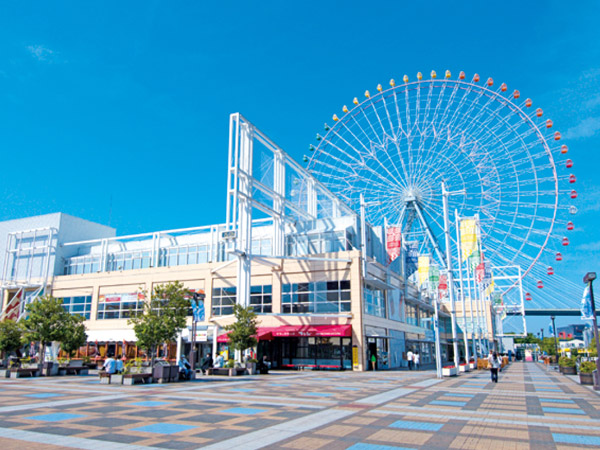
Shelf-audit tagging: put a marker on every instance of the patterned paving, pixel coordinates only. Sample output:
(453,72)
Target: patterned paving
(529,408)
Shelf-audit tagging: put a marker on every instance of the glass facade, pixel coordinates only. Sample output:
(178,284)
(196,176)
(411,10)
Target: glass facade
(412,317)
(119,306)
(322,352)
(315,243)
(374,302)
(317,297)
(78,305)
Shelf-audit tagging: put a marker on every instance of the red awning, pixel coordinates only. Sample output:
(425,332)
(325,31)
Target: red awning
(263,334)
(312,330)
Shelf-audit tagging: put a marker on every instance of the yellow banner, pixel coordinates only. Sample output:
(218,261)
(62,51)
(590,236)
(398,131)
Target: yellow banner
(468,237)
(423,269)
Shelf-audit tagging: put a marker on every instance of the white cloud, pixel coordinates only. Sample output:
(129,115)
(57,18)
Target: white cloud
(41,53)
(592,102)
(585,129)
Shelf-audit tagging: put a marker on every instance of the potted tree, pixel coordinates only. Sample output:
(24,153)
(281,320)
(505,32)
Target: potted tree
(163,317)
(242,333)
(10,340)
(74,337)
(586,372)
(567,365)
(47,322)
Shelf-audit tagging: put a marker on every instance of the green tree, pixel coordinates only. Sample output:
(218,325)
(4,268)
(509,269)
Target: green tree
(46,321)
(549,345)
(243,331)
(164,315)
(529,339)
(10,337)
(75,335)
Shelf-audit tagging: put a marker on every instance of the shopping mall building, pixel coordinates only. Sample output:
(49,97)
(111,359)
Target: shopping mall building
(318,276)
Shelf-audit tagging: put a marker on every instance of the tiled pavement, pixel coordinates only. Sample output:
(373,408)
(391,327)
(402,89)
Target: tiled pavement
(528,408)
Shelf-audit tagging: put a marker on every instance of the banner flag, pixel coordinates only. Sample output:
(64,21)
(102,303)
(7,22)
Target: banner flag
(443,286)
(586,305)
(423,269)
(393,243)
(412,258)
(468,237)
(434,275)
(480,272)
(551,329)
(474,259)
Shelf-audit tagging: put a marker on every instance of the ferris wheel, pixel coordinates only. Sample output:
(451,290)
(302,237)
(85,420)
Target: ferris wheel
(497,153)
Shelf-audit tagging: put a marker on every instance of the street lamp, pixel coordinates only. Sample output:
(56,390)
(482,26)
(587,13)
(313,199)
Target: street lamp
(555,337)
(542,331)
(589,277)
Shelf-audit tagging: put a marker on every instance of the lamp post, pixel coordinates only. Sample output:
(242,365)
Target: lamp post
(589,278)
(542,331)
(555,337)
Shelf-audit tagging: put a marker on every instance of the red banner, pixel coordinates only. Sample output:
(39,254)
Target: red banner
(393,243)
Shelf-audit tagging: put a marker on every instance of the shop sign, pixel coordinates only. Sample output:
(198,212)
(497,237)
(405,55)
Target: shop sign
(355,357)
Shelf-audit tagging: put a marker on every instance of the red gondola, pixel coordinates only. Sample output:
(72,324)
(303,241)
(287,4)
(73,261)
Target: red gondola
(572,178)
(565,241)
(550,271)
(573,193)
(564,149)
(528,296)
(559,256)
(569,163)
(540,284)
(570,226)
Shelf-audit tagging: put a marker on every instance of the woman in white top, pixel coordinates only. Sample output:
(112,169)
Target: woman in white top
(494,363)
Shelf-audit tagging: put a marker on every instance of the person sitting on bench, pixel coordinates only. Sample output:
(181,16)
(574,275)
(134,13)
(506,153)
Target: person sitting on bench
(185,368)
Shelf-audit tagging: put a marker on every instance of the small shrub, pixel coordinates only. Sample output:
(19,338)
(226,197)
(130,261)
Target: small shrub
(230,363)
(587,367)
(565,361)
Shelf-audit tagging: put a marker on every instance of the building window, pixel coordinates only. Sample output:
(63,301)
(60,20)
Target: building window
(261,246)
(130,260)
(82,264)
(261,299)
(374,302)
(120,306)
(315,243)
(319,297)
(223,299)
(78,305)
(182,255)
(411,314)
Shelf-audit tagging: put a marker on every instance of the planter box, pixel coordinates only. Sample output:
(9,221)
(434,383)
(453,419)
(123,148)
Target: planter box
(116,378)
(449,372)
(569,370)
(586,378)
(463,368)
(472,366)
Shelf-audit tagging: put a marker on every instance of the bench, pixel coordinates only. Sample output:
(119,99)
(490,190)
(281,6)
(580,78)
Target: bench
(18,373)
(77,370)
(226,371)
(104,377)
(133,378)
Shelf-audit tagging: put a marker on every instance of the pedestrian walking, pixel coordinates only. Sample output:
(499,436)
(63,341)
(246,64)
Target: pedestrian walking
(409,358)
(494,363)
(416,360)
(374,361)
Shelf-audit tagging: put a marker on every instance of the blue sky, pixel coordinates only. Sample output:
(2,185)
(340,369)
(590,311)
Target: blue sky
(128,104)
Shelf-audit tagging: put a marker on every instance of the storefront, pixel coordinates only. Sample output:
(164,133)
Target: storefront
(319,347)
